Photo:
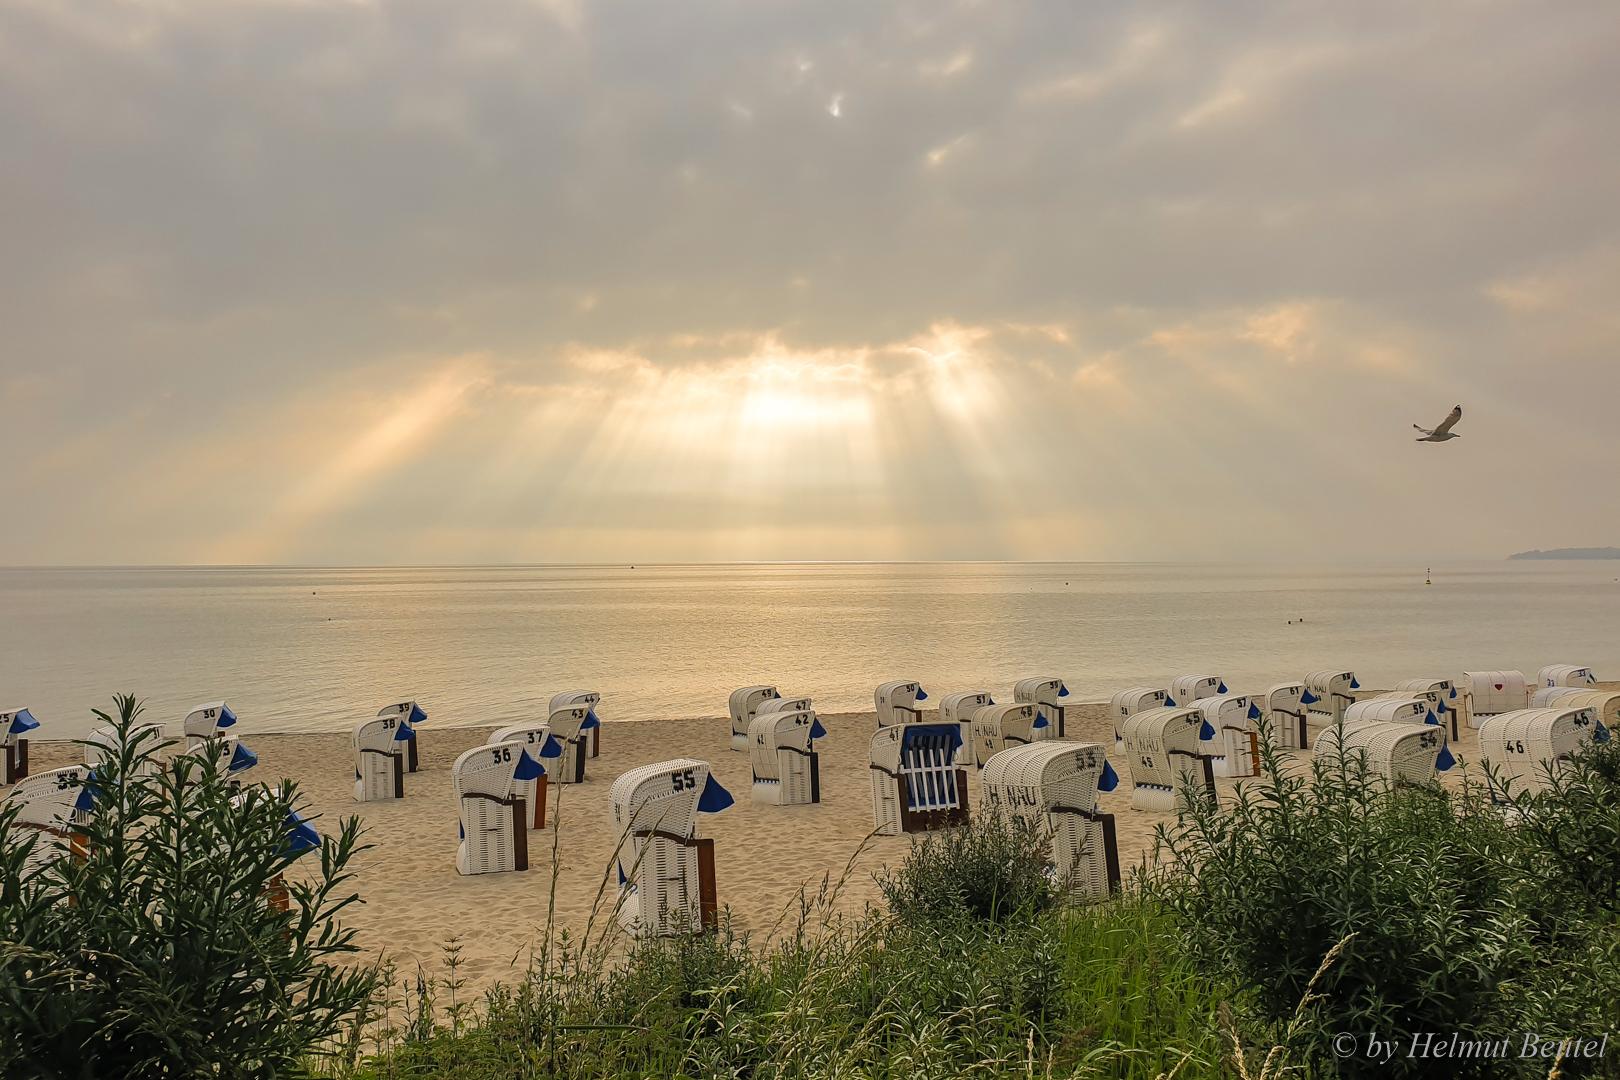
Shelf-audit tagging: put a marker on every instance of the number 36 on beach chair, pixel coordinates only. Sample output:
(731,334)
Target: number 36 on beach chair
(494,817)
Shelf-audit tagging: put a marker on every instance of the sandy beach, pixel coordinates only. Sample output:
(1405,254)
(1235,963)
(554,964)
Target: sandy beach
(415,900)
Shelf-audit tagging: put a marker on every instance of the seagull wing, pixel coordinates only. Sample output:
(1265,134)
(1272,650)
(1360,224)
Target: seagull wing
(1425,430)
(1446,424)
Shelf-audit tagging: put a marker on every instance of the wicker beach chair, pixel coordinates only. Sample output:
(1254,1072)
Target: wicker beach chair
(49,805)
(1565,675)
(538,744)
(994,728)
(412,716)
(1527,744)
(1491,693)
(571,727)
(1285,707)
(1333,691)
(494,834)
(1451,702)
(896,702)
(1130,702)
(917,779)
(666,872)
(1234,748)
(1401,753)
(103,743)
(15,724)
(588,698)
(1046,693)
(787,769)
(1162,755)
(743,705)
(1054,786)
(379,758)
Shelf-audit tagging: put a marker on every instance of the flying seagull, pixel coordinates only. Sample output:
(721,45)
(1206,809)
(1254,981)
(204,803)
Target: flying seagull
(1443,432)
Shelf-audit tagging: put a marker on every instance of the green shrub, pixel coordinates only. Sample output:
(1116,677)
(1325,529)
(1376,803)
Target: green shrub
(992,870)
(158,954)
(1438,889)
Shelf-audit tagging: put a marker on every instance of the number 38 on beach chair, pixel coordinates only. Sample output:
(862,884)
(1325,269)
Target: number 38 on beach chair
(787,769)
(379,757)
(1163,756)
(411,715)
(666,873)
(1054,785)
(49,805)
(917,781)
(494,819)
(15,724)
(538,744)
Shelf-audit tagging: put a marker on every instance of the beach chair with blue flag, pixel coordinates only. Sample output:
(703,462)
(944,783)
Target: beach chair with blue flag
(50,805)
(1047,692)
(1054,786)
(1233,747)
(15,724)
(1128,703)
(1164,755)
(379,746)
(1334,692)
(743,705)
(571,727)
(918,782)
(896,702)
(1566,675)
(994,728)
(538,744)
(958,709)
(591,700)
(787,769)
(1606,702)
(494,828)
(1285,706)
(666,871)
(1186,689)
(212,722)
(1449,704)
(780,705)
(1525,749)
(1401,753)
(412,716)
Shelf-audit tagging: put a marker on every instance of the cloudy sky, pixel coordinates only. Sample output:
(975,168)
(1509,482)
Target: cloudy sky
(303,281)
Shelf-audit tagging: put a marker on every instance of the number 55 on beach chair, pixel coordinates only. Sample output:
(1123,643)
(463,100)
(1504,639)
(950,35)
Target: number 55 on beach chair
(666,873)
(1054,786)
(494,819)
(49,805)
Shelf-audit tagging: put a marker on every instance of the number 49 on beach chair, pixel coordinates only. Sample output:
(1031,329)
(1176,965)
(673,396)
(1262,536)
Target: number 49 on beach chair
(494,819)
(666,872)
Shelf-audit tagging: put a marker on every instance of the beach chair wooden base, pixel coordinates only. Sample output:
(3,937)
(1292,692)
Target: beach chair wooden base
(17,761)
(708,892)
(399,773)
(540,802)
(596,741)
(410,753)
(520,835)
(915,821)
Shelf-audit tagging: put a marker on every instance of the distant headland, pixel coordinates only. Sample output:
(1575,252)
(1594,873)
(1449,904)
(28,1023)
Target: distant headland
(1570,553)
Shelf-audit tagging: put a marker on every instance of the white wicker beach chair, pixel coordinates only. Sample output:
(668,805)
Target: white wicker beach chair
(917,779)
(743,706)
(588,698)
(1048,694)
(996,727)
(1606,702)
(494,819)
(411,715)
(1130,702)
(49,805)
(1234,747)
(1392,710)
(958,709)
(538,744)
(1565,675)
(210,721)
(1285,708)
(1490,693)
(1186,689)
(787,769)
(379,758)
(1054,786)
(571,727)
(782,704)
(1526,744)
(15,724)
(1162,755)
(1451,703)
(1333,691)
(897,702)
(103,743)
(1407,753)
(666,872)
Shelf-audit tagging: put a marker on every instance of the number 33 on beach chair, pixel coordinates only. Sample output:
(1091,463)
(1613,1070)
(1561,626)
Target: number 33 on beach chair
(494,818)
(666,873)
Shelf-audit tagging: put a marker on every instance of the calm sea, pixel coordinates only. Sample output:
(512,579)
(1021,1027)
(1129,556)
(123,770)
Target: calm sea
(318,650)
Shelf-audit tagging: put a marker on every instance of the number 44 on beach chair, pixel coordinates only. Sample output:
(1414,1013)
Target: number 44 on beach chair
(666,873)
(494,818)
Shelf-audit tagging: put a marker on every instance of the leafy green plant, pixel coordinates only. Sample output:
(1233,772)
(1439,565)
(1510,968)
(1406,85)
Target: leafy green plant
(159,951)
(993,869)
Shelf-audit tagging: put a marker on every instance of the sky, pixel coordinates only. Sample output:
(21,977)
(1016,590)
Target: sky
(529,281)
